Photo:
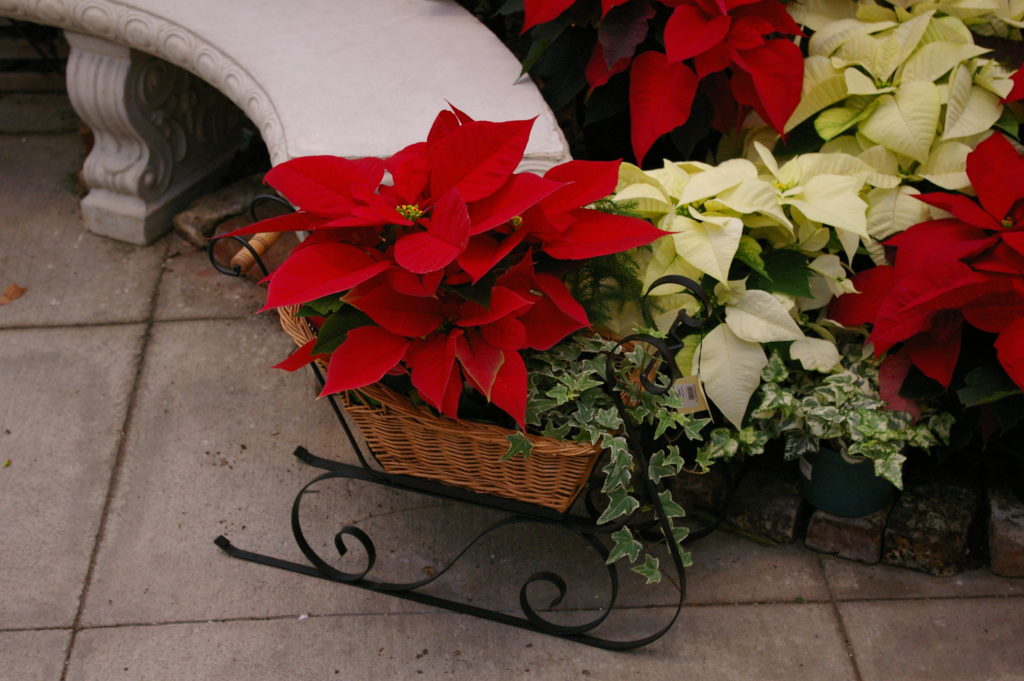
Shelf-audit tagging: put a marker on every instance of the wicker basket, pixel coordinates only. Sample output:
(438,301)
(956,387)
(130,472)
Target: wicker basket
(411,440)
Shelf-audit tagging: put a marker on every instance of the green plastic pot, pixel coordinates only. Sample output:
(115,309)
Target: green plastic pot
(843,486)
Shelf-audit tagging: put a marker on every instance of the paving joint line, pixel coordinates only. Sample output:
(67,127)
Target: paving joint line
(840,623)
(38,133)
(115,472)
(418,613)
(122,322)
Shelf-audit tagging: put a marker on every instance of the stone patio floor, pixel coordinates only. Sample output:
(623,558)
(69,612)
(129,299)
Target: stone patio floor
(141,420)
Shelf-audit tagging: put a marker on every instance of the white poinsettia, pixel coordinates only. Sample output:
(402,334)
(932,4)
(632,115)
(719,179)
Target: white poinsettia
(910,78)
(824,188)
(775,221)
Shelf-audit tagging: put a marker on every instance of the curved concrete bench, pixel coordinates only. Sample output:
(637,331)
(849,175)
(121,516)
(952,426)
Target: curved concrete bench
(347,77)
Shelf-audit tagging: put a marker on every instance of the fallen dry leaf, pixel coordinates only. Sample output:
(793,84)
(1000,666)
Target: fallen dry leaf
(12,293)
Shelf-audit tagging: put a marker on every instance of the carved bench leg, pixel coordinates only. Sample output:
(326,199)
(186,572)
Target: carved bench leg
(162,136)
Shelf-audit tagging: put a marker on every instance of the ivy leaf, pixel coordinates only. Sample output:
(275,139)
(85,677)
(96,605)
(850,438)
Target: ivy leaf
(620,503)
(625,545)
(692,427)
(669,505)
(616,477)
(679,534)
(662,467)
(608,418)
(518,445)
(651,569)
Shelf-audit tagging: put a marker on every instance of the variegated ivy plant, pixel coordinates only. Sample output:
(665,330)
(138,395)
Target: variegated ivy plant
(842,410)
(568,400)
(773,242)
(909,76)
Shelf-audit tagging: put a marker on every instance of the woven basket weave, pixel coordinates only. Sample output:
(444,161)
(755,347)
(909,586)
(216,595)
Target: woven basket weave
(411,440)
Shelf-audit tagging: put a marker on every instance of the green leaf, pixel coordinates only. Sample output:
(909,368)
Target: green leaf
(557,431)
(788,274)
(543,36)
(336,327)
(669,505)
(984,385)
(693,427)
(563,64)
(616,477)
(322,307)
(608,418)
(749,253)
(625,545)
(620,503)
(510,7)
(837,120)
(663,465)
(518,445)
(650,568)
(1009,123)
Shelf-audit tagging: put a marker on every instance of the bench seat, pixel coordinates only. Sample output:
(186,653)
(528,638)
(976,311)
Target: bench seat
(349,77)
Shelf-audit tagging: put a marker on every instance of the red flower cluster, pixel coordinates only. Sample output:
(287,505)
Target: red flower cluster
(442,259)
(715,36)
(966,268)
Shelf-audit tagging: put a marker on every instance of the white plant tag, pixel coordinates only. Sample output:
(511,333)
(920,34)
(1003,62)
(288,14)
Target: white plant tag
(691,391)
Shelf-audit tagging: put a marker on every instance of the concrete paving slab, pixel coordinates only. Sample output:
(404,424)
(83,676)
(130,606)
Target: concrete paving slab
(937,640)
(855,581)
(64,400)
(209,453)
(38,112)
(72,277)
(729,569)
(33,655)
(720,643)
(192,289)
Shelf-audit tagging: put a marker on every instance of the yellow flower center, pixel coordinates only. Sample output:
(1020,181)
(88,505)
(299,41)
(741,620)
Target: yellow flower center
(409,211)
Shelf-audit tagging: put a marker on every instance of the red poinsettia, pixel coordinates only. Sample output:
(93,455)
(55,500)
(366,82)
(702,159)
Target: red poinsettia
(701,38)
(968,268)
(443,264)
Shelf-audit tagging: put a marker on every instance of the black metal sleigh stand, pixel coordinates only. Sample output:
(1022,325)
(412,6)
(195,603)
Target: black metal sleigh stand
(650,524)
